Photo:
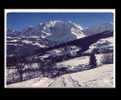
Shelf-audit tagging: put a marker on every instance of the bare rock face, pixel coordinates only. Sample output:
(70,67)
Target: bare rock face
(100,77)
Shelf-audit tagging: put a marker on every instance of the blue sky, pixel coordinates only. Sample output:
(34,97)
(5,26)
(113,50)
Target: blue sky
(19,21)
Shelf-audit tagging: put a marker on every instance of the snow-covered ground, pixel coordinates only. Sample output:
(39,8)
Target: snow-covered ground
(100,77)
(76,61)
(82,60)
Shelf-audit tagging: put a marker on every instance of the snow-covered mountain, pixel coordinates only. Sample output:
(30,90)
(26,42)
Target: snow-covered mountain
(98,28)
(49,34)
(60,31)
(13,33)
(56,30)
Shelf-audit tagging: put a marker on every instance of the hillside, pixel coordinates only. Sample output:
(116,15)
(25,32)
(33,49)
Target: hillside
(99,77)
(57,54)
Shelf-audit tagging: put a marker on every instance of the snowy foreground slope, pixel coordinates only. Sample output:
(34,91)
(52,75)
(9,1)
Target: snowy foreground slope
(95,78)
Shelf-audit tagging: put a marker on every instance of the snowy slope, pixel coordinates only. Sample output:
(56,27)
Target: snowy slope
(100,77)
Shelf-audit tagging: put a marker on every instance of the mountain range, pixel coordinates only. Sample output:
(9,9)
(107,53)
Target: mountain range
(60,31)
(48,34)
